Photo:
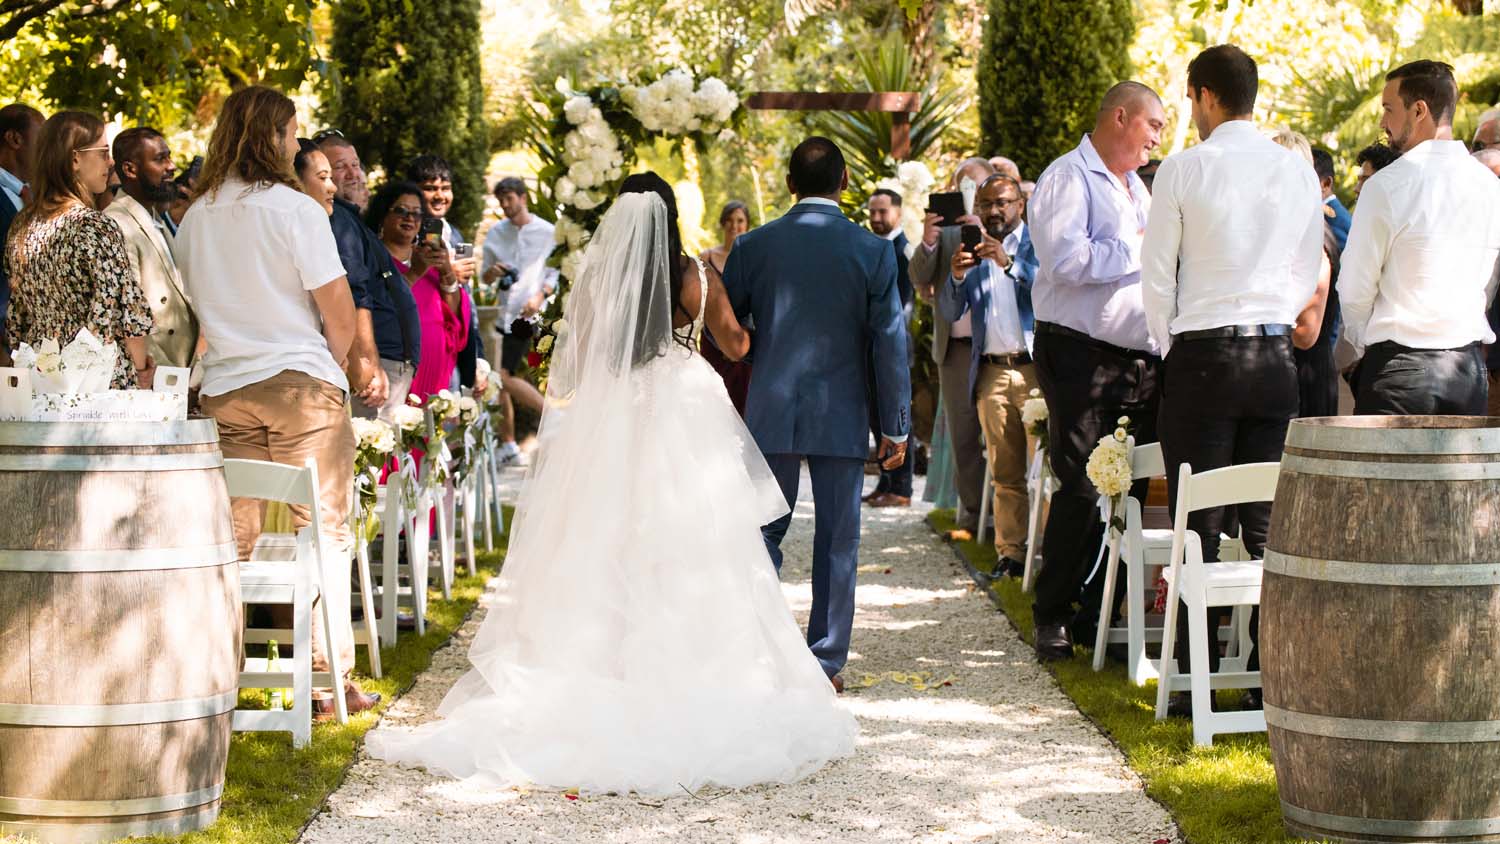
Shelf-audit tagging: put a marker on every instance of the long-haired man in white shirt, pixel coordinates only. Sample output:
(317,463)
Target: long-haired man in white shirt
(1231,257)
(1419,268)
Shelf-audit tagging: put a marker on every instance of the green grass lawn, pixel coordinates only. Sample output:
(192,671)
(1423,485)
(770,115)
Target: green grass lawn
(1225,794)
(272,790)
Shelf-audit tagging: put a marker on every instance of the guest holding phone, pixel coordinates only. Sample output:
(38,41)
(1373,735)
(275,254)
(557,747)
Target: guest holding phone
(930,264)
(990,281)
(398,213)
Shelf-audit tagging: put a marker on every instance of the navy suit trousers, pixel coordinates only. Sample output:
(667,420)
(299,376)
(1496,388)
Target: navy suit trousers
(837,483)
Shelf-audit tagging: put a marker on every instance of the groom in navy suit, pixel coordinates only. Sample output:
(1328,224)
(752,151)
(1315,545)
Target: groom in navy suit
(823,294)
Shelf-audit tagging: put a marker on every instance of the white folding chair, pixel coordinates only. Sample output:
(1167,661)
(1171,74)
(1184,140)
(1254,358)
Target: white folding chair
(1040,484)
(299,582)
(440,460)
(1139,547)
(405,512)
(366,630)
(467,504)
(1200,585)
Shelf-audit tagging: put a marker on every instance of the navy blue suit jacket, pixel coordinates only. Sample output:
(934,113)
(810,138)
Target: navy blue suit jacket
(822,291)
(973,297)
(1340,221)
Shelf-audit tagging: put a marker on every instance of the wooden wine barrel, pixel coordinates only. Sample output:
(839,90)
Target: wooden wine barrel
(119,629)
(1380,629)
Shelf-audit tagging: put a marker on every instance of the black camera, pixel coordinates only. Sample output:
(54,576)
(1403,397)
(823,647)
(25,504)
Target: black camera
(508,276)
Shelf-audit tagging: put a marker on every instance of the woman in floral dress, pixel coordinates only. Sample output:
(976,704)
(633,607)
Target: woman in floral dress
(66,261)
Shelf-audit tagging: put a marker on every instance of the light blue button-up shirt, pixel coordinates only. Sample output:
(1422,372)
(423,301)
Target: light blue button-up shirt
(1087,227)
(11,186)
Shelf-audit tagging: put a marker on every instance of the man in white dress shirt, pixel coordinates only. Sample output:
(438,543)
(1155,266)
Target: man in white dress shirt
(1231,257)
(1095,360)
(1419,269)
(515,255)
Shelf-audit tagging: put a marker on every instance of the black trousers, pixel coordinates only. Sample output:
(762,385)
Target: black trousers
(1089,386)
(1226,402)
(1397,380)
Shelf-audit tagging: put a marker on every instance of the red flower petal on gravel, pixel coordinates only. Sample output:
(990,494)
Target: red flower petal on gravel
(575,797)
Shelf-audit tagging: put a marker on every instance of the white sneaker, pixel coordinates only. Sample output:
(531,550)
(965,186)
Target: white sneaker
(511,455)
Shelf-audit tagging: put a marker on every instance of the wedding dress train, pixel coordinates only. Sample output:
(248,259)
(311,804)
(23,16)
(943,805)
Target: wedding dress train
(637,638)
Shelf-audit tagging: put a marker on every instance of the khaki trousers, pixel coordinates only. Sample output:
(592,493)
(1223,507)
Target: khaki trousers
(1001,391)
(288,418)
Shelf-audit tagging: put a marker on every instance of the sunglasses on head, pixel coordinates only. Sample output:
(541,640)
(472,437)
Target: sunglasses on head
(325,134)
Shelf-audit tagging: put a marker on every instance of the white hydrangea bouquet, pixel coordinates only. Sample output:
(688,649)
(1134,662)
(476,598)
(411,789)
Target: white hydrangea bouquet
(1034,416)
(374,443)
(1109,469)
(55,383)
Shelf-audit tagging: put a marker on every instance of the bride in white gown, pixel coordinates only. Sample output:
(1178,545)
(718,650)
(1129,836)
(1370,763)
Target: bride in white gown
(637,639)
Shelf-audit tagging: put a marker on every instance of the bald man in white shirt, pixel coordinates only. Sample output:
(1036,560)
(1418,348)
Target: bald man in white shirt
(1419,270)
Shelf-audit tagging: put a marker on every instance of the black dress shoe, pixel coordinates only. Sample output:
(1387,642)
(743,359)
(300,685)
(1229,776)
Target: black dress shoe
(1252,701)
(1010,567)
(1053,643)
(1180,705)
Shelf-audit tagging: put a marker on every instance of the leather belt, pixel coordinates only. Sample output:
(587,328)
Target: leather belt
(1013,359)
(966,340)
(1235,331)
(1073,333)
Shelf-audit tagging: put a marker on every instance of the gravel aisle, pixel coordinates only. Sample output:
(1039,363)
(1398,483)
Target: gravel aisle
(998,755)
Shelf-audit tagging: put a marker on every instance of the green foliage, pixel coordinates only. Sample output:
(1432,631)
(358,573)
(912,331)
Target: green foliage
(159,62)
(1044,67)
(865,136)
(407,82)
(1341,106)
(1225,794)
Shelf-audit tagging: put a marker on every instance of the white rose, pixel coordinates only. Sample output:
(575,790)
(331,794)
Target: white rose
(414,400)
(585,201)
(1120,434)
(563,87)
(576,109)
(407,418)
(1123,420)
(583,174)
(386,442)
(565,190)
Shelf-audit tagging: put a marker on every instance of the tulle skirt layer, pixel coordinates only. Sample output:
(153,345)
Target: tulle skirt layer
(638,639)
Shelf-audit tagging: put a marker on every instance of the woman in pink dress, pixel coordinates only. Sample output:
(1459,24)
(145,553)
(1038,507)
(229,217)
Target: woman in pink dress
(396,213)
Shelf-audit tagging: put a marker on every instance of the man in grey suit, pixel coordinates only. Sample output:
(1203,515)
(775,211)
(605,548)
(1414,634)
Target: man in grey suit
(828,323)
(952,344)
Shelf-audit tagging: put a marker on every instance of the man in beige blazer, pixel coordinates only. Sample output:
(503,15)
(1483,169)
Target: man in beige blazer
(929,266)
(144,165)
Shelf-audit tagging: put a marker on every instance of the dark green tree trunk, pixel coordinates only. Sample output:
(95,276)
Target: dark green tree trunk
(409,82)
(1044,67)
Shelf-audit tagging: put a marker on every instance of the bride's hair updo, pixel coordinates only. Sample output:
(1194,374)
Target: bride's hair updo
(649,182)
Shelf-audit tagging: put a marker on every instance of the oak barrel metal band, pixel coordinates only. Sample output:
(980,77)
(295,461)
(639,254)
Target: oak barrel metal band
(64,833)
(105,808)
(116,714)
(1373,470)
(1396,732)
(1478,440)
(110,462)
(1390,826)
(119,560)
(119,434)
(1382,574)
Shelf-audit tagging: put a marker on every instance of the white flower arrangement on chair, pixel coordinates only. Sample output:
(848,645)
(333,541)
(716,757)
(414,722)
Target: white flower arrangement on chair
(1109,469)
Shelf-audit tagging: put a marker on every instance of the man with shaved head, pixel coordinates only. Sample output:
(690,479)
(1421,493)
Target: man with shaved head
(1095,359)
(952,344)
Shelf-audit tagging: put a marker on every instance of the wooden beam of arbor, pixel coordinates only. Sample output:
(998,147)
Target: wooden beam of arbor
(900,105)
(812,101)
